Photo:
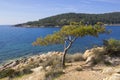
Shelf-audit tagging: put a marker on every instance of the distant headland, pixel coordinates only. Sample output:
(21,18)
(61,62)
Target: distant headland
(64,19)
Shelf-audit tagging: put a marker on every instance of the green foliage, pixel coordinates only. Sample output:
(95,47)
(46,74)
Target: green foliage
(14,73)
(22,72)
(6,73)
(78,69)
(56,67)
(65,19)
(107,63)
(54,62)
(112,47)
(69,33)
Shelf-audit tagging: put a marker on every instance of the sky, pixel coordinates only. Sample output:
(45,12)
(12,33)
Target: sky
(20,11)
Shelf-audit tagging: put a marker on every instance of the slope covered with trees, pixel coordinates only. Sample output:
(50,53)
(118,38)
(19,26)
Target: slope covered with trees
(65,19)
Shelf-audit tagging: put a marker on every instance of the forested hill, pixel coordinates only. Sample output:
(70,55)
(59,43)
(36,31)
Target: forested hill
(64,19)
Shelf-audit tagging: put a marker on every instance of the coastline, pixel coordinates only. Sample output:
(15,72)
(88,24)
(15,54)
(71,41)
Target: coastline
(76,64)
(31,26)
(19,58)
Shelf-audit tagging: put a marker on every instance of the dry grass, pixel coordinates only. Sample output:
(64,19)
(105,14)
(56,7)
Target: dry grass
(74,57)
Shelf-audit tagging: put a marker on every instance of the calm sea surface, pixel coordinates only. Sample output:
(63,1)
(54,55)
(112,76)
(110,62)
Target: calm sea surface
(16,42)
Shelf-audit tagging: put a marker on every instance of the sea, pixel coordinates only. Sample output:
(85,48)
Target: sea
(16,42)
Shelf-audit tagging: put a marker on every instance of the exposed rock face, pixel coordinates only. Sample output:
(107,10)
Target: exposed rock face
(90,61)
(94,55)
(94,52)
(33,59)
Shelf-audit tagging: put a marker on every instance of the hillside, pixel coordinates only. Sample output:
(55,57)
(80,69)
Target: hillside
(64,19)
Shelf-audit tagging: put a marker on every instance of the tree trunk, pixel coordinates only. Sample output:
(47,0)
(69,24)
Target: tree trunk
(63,57)
(66,49)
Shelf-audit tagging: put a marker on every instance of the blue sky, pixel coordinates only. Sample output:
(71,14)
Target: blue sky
(19,11)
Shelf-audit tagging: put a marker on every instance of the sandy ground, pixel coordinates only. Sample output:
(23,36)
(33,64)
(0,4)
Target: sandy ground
(85,74)
(71,73)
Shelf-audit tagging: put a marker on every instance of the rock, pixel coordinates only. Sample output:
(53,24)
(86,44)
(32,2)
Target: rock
(114,76)
(48,68)
(11,64)
(90,61)
(7,64)
(37,69)
(43,56)
(87,54)
(115,61)
(109,70)
(117,70)
(94,51)
(94,55)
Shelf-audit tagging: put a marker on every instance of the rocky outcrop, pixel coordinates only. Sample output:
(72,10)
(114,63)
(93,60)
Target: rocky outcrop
(17,64)
(94,55)
(95,52)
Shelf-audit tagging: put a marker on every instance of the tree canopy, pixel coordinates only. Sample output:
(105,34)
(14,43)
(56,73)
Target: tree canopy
(70,31)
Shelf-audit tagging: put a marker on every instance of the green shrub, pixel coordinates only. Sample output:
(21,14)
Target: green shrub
(78,69)
(21,72)
(6,73)
(107,63)
(112,47)
(14,73)
(54,61)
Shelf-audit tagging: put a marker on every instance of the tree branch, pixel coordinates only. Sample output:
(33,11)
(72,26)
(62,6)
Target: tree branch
(70,42)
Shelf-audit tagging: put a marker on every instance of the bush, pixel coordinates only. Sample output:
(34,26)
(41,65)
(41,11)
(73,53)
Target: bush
(74,57)
(14,73)
(54,62)
(78,69)
(21,72)
(52,74)
(107,63)
(112,47)
(6,73)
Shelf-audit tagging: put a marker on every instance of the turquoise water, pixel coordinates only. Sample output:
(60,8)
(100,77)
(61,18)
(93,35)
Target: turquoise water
(16,41)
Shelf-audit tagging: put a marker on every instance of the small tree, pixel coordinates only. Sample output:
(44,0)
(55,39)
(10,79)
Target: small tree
(112,47)
(68,34)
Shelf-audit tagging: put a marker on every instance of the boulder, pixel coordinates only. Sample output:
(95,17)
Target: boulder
(37,69)
(94,51)
(94,55)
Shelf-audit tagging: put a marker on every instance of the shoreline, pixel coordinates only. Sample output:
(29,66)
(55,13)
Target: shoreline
(27,57)
(78,63)
(19,58)
(30,26)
